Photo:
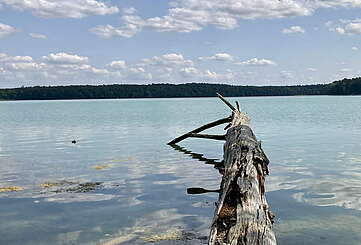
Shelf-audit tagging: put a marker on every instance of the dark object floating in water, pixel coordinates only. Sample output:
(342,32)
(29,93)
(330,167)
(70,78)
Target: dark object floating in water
(72,187)
(74,142)
(85,187)
(197,190)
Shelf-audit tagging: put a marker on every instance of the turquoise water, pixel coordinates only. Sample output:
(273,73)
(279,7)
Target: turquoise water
(313,144)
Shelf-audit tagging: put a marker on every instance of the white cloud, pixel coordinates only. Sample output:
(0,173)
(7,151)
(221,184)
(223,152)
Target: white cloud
(338,3)
(218,57)
(354,48)
(108,31)
(349,27)
(194,15)
(99,71)
(132,24)
(29,66)
(353,28)
(257,62)
(137,73)
(59,67)
(178,20)
(192,73)
(171,59)
(189,71)
(64,58)
(118,64)
(4,58)
(37,36)
(6,30)
(293,29)
(75,69)
(63,8)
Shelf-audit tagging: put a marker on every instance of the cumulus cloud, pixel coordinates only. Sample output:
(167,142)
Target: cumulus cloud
(27,66)
(171,59)
(354,48)
(63,8)
(257,62)
(189,71)
(6,30)
(75,69)
(54,67)
(207,75)
(194,15)
(4,58)
(118,64)
(293,29)
(137,73)
(349,27)
(132,24)
(338,3)
(65,58)
(37,35)
(218,57)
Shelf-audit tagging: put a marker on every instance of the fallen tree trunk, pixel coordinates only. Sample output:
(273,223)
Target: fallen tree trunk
(242,216)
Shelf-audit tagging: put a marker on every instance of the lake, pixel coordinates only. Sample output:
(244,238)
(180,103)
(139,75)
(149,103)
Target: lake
(122,184)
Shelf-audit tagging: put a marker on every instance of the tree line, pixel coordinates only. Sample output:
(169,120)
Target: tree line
(115,91)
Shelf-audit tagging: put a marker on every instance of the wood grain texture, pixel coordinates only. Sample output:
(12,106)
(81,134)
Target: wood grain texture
(242,216)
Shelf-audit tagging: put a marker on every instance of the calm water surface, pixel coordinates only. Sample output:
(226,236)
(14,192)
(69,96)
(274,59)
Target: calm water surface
(314,185)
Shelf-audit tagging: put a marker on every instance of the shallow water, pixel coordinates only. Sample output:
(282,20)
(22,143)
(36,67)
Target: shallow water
(314,184)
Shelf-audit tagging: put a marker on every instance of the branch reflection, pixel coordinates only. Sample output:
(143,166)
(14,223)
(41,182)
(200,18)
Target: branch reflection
(198,156)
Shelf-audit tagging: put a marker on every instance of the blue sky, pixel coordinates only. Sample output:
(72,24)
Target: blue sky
(243,42)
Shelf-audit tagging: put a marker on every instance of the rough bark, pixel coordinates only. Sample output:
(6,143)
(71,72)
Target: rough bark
(242,216)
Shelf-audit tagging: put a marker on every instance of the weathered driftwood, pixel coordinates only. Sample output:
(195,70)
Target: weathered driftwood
(242,216)
(208,136)
(200,129)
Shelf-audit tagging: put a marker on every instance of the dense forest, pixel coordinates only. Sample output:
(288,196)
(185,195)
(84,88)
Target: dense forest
(343,87)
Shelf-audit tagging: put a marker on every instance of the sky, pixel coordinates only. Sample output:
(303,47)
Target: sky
(240,42)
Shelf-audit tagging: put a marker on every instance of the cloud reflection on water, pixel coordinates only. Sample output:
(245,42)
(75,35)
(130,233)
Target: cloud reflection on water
(319,187)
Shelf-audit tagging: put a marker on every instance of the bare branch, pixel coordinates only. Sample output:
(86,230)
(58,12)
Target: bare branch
(200,129)
(226,102)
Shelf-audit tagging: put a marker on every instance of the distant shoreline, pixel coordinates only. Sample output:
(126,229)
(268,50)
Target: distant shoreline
(188,90)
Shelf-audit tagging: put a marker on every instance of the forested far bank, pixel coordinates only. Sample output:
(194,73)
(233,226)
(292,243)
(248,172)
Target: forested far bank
(342,87)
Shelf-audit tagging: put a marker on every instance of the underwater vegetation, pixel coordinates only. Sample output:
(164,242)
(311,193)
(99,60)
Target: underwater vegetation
(69,186)
(102,167)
